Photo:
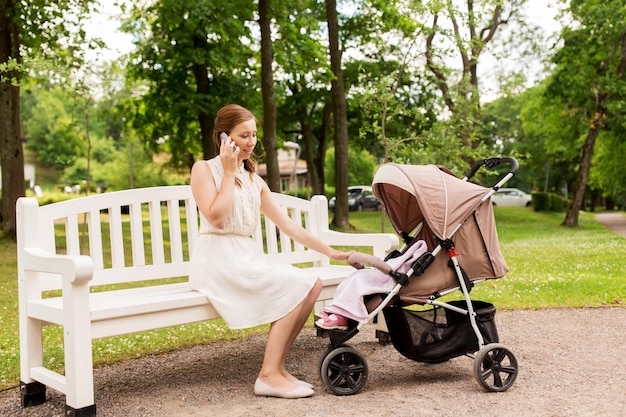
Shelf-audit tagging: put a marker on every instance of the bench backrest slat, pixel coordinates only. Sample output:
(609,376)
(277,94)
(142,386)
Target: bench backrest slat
(176,242)
(191,211)
(271,241)
(95,239)
(136,233)
(72,235)
(156,232)
(149,222)
(285,241)
(297,214)
(117,237)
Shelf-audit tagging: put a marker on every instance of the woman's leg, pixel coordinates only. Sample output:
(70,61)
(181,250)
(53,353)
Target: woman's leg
(281,336)
(306,307)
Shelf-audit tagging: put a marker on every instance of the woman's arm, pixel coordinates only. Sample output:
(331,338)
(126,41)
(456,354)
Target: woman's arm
(215,206)
(272,210)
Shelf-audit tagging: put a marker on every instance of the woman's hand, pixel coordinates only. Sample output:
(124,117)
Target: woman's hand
(339,255)
(229,152)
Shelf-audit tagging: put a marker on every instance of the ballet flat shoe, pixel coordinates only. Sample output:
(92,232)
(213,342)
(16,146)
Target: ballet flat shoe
(305,384)
(262,389)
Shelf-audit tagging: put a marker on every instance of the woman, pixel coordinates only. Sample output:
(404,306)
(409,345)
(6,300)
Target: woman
(243,284)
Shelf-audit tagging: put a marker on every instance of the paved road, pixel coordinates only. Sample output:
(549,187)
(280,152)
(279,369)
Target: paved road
(615,221)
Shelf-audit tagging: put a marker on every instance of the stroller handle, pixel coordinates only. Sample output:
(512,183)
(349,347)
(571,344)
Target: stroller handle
(358,260)
(493,162)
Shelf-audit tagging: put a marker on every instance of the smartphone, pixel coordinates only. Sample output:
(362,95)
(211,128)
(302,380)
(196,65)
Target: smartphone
(223,136)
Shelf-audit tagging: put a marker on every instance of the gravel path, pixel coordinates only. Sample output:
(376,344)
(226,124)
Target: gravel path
(571,363)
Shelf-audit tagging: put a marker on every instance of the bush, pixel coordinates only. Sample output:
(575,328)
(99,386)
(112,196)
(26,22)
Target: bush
(549,202)
(55,197)
(558,203)
(300,193)
(362,166)
(330,191)
(541,201)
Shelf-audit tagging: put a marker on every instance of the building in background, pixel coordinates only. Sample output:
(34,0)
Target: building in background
(293,170)
(29,176)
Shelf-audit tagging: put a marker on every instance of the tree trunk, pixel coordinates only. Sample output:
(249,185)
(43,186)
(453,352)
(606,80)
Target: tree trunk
(322,145)
(571,218)
(269,100)
(314,148)
(310,151)
(11,152)
(340,119)
(203,86)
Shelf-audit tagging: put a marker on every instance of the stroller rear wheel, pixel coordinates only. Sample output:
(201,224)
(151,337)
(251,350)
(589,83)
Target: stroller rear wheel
(495,367)
(343,370)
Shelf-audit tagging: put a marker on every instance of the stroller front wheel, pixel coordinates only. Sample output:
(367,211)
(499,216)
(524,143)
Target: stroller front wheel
(495,367)
(343,370)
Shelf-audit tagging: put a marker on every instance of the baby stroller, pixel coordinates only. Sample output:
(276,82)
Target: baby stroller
(455,219)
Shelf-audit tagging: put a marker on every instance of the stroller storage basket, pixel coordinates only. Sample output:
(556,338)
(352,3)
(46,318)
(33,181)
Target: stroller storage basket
(439,334)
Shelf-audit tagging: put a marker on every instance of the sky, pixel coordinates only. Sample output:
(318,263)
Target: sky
(541,13)
(105,25)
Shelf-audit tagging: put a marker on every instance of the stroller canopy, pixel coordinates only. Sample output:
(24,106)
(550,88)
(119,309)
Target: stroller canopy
(424,201)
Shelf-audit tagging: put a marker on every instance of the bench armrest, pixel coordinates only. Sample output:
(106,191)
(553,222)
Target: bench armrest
(76,270)
(382,243)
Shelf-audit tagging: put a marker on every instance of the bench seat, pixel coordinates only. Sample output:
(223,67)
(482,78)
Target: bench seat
(120,263)
(109,309)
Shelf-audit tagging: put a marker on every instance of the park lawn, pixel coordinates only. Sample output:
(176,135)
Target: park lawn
(554,266)
(550,266)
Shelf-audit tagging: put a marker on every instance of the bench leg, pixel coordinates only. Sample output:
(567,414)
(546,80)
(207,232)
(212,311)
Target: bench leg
(32,394)
(89,411)
(382,333)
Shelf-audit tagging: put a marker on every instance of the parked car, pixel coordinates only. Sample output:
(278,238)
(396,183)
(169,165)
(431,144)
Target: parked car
(360,197)
(511,197)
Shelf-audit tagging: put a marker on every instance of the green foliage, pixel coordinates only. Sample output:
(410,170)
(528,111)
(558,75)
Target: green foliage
(558,202)
(188,54)
(590,84)
(50,197)
(549,202)
(59,42)
(541,201)
(361,167)
(103,152)
(303,193)
(390,115)
(608,172)
(116,174)
(53,126)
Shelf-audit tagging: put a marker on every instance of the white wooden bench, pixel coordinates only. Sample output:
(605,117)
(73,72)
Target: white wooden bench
(89,252)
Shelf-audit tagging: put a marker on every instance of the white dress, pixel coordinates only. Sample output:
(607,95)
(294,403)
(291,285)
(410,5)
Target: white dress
(244,285)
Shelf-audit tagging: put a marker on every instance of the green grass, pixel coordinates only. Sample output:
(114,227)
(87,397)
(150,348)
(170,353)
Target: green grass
(549,266)
(554,266)
(9,342)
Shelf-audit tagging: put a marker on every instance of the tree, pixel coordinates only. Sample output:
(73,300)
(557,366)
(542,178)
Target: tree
(188,54)
(589,78)
(11,152)
(340,119)
(269,99)
(20,33)
(608,174)
(548,141)
(467,31)
(305,76)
